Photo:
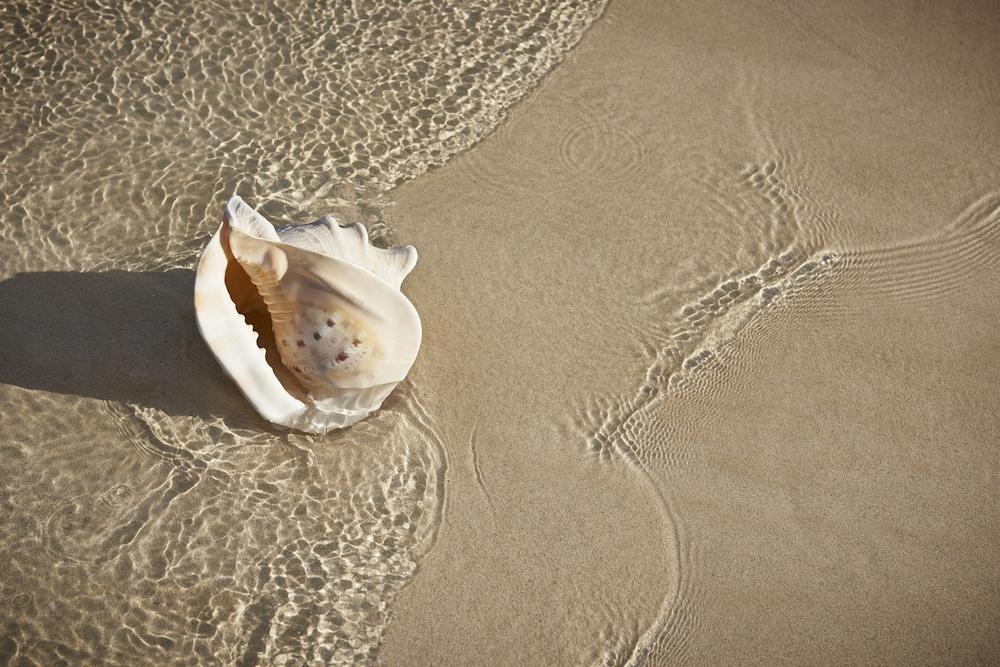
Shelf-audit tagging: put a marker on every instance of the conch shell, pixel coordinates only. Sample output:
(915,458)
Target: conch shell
(308,320)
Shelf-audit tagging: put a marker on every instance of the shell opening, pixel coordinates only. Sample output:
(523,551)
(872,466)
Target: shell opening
(251,306)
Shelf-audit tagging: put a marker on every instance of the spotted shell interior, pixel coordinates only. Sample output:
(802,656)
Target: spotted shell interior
(326,310)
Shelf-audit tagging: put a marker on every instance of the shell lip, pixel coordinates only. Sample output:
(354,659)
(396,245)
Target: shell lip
(234,342)
(242,217)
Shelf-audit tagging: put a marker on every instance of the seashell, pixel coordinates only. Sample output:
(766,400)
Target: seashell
(308,320)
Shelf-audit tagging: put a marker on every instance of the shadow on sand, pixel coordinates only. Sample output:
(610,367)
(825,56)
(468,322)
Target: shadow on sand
(122,336)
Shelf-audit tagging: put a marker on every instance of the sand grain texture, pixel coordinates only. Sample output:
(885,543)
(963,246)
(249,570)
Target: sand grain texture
(753,250)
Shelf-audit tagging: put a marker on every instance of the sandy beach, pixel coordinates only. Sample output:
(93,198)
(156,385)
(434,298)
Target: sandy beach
(709,365)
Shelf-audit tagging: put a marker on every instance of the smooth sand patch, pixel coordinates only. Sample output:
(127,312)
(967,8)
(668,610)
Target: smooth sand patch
(634,213)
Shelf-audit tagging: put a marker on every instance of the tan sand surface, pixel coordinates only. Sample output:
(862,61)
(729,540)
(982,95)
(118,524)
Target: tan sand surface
(818,451)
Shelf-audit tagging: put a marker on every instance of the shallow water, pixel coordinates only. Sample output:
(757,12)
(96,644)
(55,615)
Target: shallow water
(124,126)
(709,371)
(760,290)
(150,517)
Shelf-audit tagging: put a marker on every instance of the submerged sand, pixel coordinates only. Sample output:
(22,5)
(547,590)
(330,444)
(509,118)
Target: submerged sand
(738,260)
(708,377)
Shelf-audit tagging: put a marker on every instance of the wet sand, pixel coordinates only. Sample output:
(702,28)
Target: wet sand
(741,257)
(709,366)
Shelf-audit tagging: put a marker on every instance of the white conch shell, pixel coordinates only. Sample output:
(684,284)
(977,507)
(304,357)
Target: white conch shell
(308,320)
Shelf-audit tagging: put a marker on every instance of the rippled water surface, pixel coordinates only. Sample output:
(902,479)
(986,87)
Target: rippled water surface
(123,124)
(758,248)
(149,517)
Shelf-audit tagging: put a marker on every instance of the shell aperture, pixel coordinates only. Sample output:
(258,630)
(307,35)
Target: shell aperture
(308,320)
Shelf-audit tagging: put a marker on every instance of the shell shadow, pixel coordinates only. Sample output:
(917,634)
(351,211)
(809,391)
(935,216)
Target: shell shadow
(117,335)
